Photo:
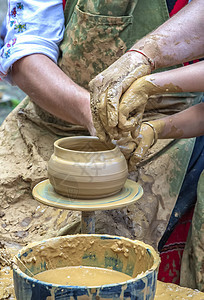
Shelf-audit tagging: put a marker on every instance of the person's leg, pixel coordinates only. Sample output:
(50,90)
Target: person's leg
(188,193)
(192,267)
(172,243)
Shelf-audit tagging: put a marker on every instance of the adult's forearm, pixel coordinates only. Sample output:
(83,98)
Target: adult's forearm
(179,39)
(50,88)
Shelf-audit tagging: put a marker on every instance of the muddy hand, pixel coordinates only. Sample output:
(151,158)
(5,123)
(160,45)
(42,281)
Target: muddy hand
(126,144)
(147,137)
(107,88)
(134,100)
(144,141)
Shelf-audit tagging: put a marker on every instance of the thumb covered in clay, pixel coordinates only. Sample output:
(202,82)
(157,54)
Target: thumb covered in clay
(147,137)
(126,144)
(107,88)
(144,141)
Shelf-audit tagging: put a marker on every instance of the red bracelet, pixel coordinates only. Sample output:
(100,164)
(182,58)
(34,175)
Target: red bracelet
(148,58)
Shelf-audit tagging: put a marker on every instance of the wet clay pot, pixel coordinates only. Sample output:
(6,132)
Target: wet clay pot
(83,167)
(134,258)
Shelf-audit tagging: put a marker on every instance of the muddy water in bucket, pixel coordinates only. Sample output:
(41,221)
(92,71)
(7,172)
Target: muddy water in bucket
(82,275)
(132,259)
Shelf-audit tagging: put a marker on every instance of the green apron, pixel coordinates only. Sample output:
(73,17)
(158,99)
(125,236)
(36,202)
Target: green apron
(99,32)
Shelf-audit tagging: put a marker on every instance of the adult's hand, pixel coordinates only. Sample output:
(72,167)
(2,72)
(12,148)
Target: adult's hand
(107,88)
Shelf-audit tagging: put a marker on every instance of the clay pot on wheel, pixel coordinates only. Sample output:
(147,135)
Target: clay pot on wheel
(85,168)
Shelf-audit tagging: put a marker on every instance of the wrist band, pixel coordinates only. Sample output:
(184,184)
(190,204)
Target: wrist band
(155,133)
(151,62)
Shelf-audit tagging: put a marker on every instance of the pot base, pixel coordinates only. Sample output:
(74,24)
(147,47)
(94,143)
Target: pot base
(81,190)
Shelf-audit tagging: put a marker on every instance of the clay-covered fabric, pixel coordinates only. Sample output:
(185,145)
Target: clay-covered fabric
(98,32)
(26,144)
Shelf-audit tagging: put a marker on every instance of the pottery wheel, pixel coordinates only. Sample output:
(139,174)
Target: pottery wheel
(45,193)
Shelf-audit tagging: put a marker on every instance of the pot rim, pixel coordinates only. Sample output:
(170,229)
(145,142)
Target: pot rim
(149,248)
(57,146)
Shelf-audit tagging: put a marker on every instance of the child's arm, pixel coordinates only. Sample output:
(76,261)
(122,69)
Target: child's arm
(189,78)
(134,100)
(186,124)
